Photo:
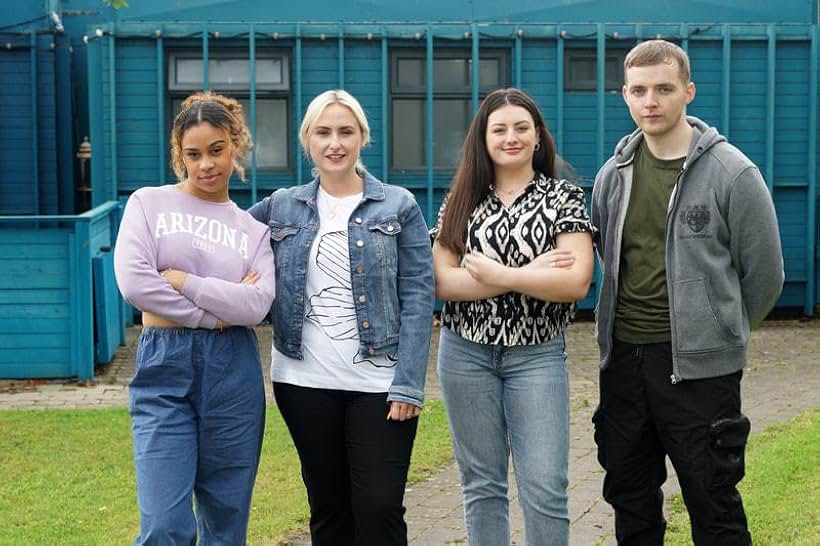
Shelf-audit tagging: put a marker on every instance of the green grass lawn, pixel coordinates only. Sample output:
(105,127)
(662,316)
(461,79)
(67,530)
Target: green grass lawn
(781,490)
(67,478)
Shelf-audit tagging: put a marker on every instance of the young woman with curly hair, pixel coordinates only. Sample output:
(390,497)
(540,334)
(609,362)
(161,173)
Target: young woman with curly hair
(201,271)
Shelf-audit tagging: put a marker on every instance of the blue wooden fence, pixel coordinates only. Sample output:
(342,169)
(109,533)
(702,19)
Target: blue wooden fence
(54,321)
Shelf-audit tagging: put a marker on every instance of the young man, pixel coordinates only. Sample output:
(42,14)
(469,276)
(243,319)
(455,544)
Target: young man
(691,261)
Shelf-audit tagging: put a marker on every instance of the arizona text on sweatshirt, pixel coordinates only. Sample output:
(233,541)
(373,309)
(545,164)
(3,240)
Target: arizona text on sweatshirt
(216,244)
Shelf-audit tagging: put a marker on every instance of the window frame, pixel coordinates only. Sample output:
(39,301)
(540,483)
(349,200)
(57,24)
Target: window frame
(280,91)
(396,92)
(618,54)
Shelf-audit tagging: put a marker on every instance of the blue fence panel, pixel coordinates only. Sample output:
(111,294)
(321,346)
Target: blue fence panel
(46,301)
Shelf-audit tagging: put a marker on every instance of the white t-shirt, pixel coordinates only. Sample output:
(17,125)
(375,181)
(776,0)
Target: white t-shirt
(330,336)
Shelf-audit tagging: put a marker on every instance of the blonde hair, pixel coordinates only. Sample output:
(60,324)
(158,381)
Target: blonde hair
(318,105)
(220,111)
(657,52)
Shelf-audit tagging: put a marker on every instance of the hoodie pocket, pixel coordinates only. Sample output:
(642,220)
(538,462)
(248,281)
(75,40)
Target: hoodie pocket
(698,326)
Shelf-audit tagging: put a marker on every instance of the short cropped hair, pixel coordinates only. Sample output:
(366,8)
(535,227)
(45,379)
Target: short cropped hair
(656,52)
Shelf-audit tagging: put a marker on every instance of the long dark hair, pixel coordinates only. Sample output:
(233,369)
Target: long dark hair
(476,174)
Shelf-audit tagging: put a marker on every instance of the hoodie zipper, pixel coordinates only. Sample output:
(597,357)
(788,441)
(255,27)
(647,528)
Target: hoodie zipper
(675,378)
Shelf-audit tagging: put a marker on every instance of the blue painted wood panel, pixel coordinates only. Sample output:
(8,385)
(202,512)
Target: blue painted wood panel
(46,287)
(747,110)
(106,305)
(20,191)
(34,293)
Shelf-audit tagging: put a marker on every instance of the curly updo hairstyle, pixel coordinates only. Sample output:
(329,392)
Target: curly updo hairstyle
(220,111)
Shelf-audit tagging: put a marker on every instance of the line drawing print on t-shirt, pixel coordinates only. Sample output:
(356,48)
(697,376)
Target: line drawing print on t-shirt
(332,308)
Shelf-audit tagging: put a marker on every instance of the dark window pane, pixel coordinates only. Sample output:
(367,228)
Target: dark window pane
(451,74)
(410,73)
(581,70)
(489,74)
(614,72)
(407,149)
(188,72)
(271,132)
(450,119)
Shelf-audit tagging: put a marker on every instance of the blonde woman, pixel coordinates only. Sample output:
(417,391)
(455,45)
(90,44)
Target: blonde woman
(351,328)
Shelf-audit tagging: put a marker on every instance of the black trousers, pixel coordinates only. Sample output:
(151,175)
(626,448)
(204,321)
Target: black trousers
(641,418)
(354,464)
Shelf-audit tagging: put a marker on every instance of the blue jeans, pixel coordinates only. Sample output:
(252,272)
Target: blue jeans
(501,399)
(197,404)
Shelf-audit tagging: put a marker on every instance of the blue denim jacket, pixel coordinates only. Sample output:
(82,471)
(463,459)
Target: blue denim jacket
(391,272)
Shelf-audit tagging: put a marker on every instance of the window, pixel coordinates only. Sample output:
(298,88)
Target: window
(229,73)
(580,70)
(452,103)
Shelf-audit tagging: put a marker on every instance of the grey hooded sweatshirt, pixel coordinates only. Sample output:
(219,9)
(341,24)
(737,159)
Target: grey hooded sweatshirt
(724,263)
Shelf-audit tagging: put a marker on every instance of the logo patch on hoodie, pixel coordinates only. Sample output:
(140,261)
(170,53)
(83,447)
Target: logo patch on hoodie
(697,218)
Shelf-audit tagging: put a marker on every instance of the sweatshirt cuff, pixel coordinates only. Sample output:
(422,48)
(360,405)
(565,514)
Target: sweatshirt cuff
(192,287)
(208,321)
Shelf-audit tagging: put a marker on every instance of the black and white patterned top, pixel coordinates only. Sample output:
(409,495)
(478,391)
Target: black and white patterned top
(514,236)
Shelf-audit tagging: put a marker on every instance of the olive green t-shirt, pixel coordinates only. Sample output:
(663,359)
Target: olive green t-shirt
(642,313)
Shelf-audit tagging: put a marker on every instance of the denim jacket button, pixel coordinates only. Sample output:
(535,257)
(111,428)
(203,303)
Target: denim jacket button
(362,299)
(358,220)
(390,227)
(360,243)
(359,269)
(365,324)
(372,351)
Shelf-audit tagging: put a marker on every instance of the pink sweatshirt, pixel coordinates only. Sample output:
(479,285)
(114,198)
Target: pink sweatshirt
(216,244)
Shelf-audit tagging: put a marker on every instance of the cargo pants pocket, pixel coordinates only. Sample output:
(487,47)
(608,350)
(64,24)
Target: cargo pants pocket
(727,447)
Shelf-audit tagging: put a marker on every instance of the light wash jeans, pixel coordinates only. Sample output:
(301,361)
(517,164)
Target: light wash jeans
(501,399)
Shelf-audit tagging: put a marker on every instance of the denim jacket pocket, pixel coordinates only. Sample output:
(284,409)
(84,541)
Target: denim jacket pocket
(698,325)
(279,235)
(386,233)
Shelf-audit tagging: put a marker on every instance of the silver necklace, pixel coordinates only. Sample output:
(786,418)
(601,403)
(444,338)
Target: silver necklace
(512,194)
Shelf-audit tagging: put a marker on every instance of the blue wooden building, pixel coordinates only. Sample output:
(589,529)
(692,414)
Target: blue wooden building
(76,68)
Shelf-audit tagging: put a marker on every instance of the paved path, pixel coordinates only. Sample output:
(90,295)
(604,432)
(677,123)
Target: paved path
(782,379)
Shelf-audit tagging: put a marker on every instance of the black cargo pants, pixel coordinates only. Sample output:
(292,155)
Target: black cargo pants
(641,418)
